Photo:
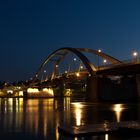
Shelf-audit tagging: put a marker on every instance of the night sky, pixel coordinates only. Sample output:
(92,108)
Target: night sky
(32,29)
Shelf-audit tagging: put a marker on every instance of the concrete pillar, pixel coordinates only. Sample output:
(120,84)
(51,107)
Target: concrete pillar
(138,86)
(92,89)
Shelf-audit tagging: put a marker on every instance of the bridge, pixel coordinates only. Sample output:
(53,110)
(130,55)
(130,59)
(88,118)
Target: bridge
(99,72)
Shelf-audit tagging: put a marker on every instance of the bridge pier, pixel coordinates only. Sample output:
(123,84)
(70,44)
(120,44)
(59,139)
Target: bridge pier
(138,86)
(106,89)
(92,89)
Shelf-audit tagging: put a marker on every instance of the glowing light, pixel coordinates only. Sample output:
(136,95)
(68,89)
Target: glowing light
(32,90)
(104,61)
(49,91)
(78,113)
(74,59)
(10,91)
(81,67)
(77,105)
(99,50)
(106,137)
(135,54)
(10,100)
(118,108)
(68,92)
(56,66)
(20,93)
(77,74)
(44,71)
(66,71)
(18,87)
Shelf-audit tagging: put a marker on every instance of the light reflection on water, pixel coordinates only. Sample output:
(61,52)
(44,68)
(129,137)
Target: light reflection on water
(41,117)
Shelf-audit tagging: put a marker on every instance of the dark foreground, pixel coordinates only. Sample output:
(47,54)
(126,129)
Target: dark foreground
(38,119)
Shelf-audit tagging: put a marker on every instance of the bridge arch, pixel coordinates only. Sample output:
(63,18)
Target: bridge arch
(90,67)
(101,54)
(79,53)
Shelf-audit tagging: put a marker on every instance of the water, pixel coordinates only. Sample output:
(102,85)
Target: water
(39,119)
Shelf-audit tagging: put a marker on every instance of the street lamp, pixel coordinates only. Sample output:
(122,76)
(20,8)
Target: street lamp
(81,67)
(135,55)
(99,51)
(56,66)
(77,74)
(104,61)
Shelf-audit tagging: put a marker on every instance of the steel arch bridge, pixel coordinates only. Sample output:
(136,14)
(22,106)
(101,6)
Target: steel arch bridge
(62,52)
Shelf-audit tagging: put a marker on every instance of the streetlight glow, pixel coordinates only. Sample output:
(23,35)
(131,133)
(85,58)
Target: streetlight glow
(77,74)
(66,71)
(99,50)
(135,54)
(104,61)
(81,67)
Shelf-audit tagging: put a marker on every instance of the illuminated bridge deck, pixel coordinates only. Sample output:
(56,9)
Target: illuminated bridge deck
(100,129)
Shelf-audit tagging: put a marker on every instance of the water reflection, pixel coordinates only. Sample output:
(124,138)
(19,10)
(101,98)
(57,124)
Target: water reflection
(118,108)
(106,137)
(41,117)
(78,108)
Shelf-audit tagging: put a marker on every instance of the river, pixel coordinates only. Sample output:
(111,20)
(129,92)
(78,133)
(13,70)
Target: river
(39,119)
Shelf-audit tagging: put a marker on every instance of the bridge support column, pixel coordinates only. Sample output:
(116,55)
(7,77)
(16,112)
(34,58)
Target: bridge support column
(138,86)
(92,89)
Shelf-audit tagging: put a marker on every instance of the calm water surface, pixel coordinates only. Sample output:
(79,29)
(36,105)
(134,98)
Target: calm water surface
(39,119)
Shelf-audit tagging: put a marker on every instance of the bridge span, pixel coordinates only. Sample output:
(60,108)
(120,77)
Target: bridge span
(105,76)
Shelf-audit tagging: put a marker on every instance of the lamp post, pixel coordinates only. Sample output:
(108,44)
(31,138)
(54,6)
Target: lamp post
(99,51)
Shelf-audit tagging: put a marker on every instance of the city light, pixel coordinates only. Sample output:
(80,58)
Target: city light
(77,74)
(10,91)
(20,93)
(49,91)
(32,90)
(74,59)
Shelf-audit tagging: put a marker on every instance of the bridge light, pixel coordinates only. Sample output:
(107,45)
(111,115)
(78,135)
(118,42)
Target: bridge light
(74,59)
(99,50)
(77,74)
(81,67)
(104,61)
(135,54)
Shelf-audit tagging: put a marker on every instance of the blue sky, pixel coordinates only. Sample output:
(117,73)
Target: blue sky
(31,29)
